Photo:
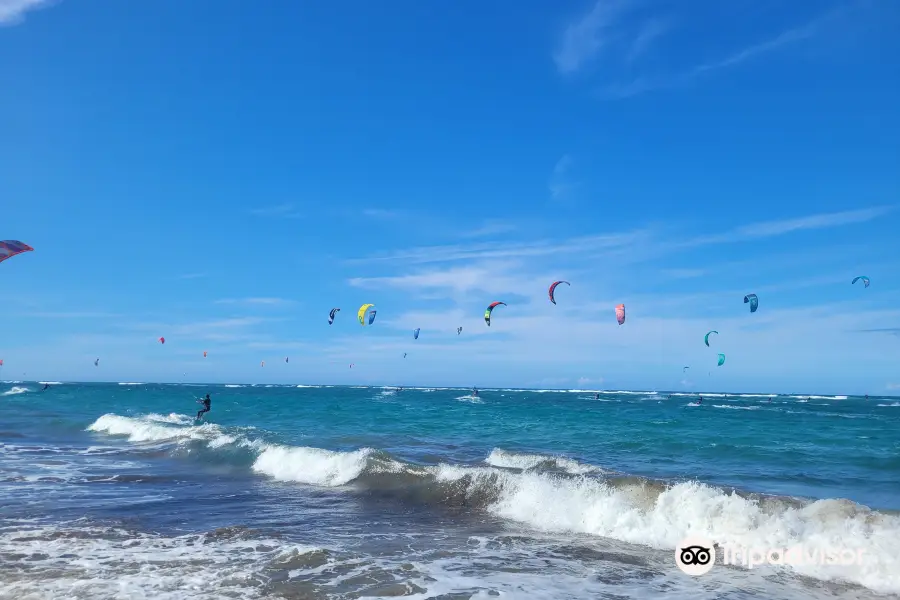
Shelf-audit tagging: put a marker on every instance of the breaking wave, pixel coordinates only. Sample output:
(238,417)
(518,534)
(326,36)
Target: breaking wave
(560,495)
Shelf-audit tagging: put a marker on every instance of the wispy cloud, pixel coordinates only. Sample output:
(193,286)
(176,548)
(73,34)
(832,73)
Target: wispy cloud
(497,250)
(286,211)
(778,227)
(257,301)
(893,386)
(584,38)
(635,245)
(13,12)
(647,83)
(561,184)
(489,228)
(488,278)
(649,32)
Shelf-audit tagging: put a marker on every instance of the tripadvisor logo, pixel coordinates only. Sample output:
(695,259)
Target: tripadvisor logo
(696,555)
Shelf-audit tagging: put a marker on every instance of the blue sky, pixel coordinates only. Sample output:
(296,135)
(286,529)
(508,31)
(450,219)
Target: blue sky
(223,174)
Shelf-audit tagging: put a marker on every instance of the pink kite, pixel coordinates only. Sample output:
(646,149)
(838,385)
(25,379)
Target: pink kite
(620,314)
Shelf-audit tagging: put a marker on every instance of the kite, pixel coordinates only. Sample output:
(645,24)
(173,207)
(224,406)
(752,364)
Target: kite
(262,363)
(620,314)
(753,300)
(361,315)
(162,340)
(285,359)
(865,280)
(458,330)
(489,310)
(204,354)
(331,315)
(706,337)
(553,289)
(97,362)
(404,355)
(416,334)
(721,359)
(685,369)
(10,248)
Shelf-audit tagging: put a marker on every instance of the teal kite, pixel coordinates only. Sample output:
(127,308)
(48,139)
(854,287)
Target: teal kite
(753,300)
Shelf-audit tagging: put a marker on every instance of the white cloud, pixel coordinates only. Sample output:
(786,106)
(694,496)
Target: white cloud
(584,38)
(561,184)
(13,12)
(820,221)
(893,386)
(645,83)
(814,346)
(808,346)
(635,245)
(612,242)
(649,32)
(487,278)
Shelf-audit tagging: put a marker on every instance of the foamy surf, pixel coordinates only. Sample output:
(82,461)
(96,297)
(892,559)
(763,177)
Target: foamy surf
(15,390)
(79,561)
(150,428)
(522,461)
(660,518)
(312,465)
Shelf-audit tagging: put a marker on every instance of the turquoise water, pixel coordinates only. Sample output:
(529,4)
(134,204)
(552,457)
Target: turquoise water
(339,492)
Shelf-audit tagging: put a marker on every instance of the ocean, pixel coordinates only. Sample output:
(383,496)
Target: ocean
(327,492)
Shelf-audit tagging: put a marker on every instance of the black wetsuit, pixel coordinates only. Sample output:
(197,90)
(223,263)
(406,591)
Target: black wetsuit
(206,402)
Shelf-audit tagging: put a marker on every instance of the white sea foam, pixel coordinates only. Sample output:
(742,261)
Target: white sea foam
(146,429)
(108,564)
(15,390)
(312,465)
(642,515)
(516,460)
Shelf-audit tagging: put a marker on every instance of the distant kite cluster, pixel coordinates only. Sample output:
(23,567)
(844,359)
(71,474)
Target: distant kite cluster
(366,313)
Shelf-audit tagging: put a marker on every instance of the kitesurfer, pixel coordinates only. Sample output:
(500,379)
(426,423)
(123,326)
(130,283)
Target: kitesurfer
(474,392)
(46,387)
(206,404)
(596,396)
(700,401)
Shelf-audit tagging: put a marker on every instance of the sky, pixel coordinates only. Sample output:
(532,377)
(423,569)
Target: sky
(224,173)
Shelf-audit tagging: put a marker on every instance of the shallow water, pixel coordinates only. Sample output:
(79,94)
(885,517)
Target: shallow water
(113,491)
